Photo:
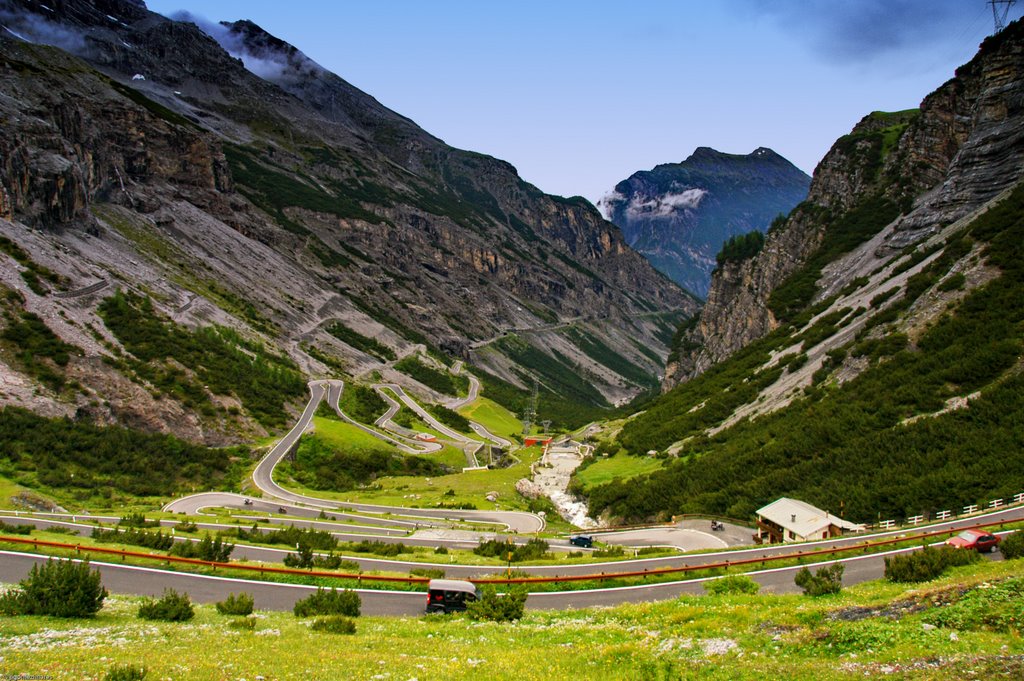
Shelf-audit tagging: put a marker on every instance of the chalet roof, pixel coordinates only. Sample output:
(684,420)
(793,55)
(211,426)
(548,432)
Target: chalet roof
(801,518)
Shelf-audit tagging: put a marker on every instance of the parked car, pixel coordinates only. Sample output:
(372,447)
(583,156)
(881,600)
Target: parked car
(977,540)
(450,595)
(582,540)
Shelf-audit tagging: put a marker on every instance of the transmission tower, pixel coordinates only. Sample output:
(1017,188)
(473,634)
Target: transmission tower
(1000,10)
(531,412)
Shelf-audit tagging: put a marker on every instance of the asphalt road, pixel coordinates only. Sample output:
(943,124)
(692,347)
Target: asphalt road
(637,565)
(130,579)
(422,413)
(276,596)
(516,521)
(412,446)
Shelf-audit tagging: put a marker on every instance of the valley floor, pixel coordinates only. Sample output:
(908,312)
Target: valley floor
(933,631)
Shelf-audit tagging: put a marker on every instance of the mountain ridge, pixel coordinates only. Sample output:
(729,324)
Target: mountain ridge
(678,215)
(896,158)
(163,165)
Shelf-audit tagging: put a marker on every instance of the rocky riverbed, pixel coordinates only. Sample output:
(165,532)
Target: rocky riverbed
(551,479)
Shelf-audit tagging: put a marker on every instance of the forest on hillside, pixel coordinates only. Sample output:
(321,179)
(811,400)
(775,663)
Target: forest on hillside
(849,446)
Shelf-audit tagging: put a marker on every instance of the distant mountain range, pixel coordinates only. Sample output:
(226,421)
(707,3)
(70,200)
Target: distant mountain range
(678,215)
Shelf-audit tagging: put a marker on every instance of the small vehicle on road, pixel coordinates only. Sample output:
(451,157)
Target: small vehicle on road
(977,540)
(582,540)
(450,595)
(717,526)
(247,502)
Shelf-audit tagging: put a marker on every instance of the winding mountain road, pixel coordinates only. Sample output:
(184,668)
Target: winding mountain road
(420,412)
(263,477)
(405,444)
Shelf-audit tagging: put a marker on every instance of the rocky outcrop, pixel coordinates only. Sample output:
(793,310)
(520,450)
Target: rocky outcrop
(975,124)
(963,147)
(87,141)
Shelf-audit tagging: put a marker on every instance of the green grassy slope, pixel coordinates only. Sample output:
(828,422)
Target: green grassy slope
(867,631)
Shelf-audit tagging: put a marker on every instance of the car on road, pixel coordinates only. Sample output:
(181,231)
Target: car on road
(450,595)
(583,540)
(977,540)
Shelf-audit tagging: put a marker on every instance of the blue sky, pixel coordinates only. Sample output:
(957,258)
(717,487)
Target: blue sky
(580,94)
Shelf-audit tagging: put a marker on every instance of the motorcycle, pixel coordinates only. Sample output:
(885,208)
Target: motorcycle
(717,526)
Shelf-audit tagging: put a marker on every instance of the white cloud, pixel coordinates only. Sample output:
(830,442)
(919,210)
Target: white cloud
(609,202)
(269,65)
(32,28)
(666,205)
(687,199)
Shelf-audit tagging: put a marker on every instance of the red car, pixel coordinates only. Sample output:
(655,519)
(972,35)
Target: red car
(975,539)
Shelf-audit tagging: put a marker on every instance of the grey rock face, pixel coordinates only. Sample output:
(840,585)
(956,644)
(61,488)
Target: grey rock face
(151,136)
(964,147)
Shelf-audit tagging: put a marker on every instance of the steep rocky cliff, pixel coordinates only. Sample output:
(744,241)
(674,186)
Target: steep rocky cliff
(678,215)
(236,183)
(903,176)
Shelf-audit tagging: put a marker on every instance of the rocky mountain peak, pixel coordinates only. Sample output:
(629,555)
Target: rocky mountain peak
(678,215)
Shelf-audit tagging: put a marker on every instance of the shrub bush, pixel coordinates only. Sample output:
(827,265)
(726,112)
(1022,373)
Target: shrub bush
(494,548)
(329,602)
(1012,545)
(338,624)
(137,520)
(733,584)
(134,537)
(498,608)
(379,548)
(302,558)
(215,550)
(320,540)
(16,529)
(926,564)
(125,672)
(58,588)
(236,604)
(953,281)
(827,580)
(172,607)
